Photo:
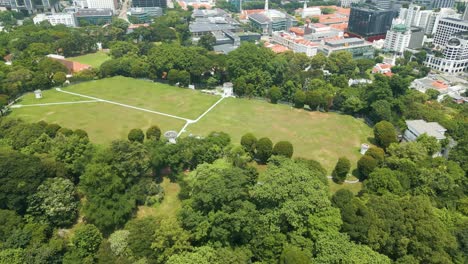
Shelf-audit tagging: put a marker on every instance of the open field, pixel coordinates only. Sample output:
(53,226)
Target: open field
(154,96)
(103,122)
(320,136)
(93,59)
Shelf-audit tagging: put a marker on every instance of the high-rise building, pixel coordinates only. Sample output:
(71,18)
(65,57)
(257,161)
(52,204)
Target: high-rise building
(384,4)
(32,6)
(370,22)
(398,38)
(101,4)
(433,4)
(465,15)
(455,55)
(446,28)
(149,3)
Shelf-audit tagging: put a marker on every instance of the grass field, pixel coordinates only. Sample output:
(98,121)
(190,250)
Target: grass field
(154,96)
(93,59)
(320,136)
(168,207)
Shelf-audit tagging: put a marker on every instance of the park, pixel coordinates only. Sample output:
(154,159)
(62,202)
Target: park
(108,108)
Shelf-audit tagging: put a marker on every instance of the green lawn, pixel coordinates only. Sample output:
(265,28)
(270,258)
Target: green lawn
(168,207)
(103,122)
(154,96)
(93,59)
(320,136)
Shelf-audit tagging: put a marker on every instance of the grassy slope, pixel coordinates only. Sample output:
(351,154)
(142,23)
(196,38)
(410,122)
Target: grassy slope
(154,96)
(93,59)
(320,136)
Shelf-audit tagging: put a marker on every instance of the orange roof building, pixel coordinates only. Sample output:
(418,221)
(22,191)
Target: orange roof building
(72,66)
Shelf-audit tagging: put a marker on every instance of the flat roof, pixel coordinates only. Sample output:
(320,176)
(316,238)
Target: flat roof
(93,12)
(432,129)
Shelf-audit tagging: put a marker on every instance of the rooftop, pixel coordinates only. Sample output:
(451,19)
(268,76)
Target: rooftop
(432,129)
(93,12)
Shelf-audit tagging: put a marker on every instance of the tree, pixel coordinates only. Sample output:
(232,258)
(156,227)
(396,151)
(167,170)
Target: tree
(207,41)
(283,148)
(59,78)
(184,78)
(366,165)
(377,153)
(141,232)
(169,239)
(173,76)
(119,243)
(153,133)
(122,48)
(341,170)
(385,134)
(55,202)
(136,135)
(20,175)
(263,149)
(299,98)
(382,181)
(432,93)
(248,142)
(80,133)
(73,151)
(51,130)
(86,240)
(274,94)
(292,254)
(108,206)
(430,143)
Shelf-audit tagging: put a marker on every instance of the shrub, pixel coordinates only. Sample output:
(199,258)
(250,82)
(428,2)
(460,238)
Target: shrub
(283,148)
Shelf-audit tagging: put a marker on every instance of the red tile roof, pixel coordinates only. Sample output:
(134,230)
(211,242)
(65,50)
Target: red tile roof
(73,66)
(441,85)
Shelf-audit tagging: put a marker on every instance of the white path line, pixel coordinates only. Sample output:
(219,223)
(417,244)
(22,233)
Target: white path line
(207,111)
(183,129)
(125,105)
(346,181)
(59,103)
(200,117)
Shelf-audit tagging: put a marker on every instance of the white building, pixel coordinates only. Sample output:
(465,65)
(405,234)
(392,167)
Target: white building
(67,19)
(102,4)
(310,11)
(446,28)
(418,127)
(297,44)
(454,57)
(347,3)
(398,38)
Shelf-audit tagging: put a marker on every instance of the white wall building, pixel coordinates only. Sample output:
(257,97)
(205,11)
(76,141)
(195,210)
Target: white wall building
(446,28)
(347,3)
(110,4)
(297,44)
(455,55)
(398,38)
(67,19)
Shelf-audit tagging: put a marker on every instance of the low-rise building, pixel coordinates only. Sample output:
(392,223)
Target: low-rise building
(72,66)
(94,16)
(359,48)
(272,20)
(296,44)
(67,19)
(145,14)
(383,68)
(416,128)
